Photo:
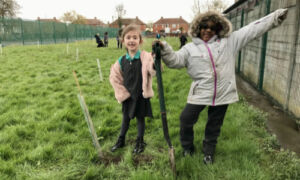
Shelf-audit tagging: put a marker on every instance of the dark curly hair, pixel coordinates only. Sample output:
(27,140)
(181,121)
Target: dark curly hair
(223,25)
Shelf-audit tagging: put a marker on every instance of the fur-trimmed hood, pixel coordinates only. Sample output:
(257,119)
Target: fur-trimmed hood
(216,17)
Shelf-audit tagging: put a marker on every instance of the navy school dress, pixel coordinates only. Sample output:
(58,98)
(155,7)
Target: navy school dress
(136,105)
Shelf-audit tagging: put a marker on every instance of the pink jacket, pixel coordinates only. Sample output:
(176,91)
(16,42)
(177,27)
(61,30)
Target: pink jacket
(116,78)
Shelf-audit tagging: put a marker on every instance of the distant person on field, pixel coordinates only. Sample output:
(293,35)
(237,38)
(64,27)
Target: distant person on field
(99,41)
(210,62)
(158,36)
(119,41)
(106,39)
(131,79)
(182,39)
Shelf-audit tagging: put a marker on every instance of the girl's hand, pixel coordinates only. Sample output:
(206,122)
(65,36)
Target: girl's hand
(159,42)
(283,15)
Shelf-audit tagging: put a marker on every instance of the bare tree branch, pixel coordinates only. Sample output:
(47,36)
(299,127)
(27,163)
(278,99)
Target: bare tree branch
(8,8)
(120,13)
(208,5)
(73,17)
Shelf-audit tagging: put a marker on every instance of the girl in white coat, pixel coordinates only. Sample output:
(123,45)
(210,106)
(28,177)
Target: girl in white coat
(210,62)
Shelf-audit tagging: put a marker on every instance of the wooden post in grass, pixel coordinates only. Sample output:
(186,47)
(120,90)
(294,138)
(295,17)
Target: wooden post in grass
(38,44)
(68,48)
(88,118)
(100,72)
(77,54)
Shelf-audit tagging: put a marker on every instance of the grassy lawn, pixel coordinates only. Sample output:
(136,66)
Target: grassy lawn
(43,134)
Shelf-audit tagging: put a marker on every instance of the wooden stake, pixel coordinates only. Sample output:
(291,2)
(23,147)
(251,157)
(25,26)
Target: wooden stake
(100,72)
(67,48)
(88,118)
(77,54)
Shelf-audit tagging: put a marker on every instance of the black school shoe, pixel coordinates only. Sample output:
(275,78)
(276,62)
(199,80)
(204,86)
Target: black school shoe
(188,152)
(140,146)
(208,159)
(119,144)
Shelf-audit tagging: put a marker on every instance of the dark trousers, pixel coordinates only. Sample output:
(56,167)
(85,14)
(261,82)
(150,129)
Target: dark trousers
(181,44)
(189,117)
(125,126)
(119,44)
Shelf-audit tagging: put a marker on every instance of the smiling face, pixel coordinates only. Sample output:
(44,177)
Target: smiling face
(207,30)
(132,41)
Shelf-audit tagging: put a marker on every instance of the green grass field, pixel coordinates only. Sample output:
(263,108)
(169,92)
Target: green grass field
(43,133)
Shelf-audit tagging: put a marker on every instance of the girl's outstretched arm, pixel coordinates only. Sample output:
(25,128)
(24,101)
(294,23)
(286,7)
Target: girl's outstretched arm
(238,39)
(173,59)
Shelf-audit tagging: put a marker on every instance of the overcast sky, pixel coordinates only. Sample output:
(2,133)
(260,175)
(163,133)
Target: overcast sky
(150,10)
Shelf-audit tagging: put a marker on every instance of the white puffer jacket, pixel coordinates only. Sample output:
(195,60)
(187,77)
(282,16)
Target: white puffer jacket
(211,65)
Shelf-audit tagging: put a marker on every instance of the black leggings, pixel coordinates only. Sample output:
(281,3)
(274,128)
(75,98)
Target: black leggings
(189,117)
(140,126)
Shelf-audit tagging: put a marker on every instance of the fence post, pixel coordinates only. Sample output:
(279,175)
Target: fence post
(240,52)
(263,52)
(76,31)
(54,32)
(22,31)
(1,22)
(67,34)
(293,56)
(91,32)
(41,39)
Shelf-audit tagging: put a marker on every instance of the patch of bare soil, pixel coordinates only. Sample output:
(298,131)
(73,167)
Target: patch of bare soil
(141,159)
(107,159)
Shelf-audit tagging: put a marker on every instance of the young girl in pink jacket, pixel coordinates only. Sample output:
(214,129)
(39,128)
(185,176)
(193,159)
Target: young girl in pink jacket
(131,78)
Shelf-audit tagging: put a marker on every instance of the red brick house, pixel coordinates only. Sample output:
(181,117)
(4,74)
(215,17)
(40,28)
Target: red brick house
(95,22)
(170,25)
(126,21)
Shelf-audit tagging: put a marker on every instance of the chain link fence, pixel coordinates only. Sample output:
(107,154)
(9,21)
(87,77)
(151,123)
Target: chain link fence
(19,31)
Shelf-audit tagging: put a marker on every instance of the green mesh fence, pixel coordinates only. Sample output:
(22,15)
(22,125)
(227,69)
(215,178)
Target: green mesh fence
(18,31)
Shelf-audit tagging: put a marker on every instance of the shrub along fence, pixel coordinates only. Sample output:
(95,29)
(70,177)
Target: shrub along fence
(19,31)
(272,62)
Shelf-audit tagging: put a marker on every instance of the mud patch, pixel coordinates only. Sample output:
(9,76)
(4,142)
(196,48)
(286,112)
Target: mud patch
(131,141)
(107,159)
(160,149)
(142,159)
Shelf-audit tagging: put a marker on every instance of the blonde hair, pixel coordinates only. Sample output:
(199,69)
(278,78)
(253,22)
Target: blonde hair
(131,27)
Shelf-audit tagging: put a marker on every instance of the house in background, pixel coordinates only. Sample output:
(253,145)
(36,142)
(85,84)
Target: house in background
(49,20)
(95,22)
(170,25)
(126,21)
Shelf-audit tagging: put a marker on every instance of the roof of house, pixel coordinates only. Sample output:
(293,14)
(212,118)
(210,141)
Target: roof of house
(95,21)
(127,21)
(49,20)
(179,20)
